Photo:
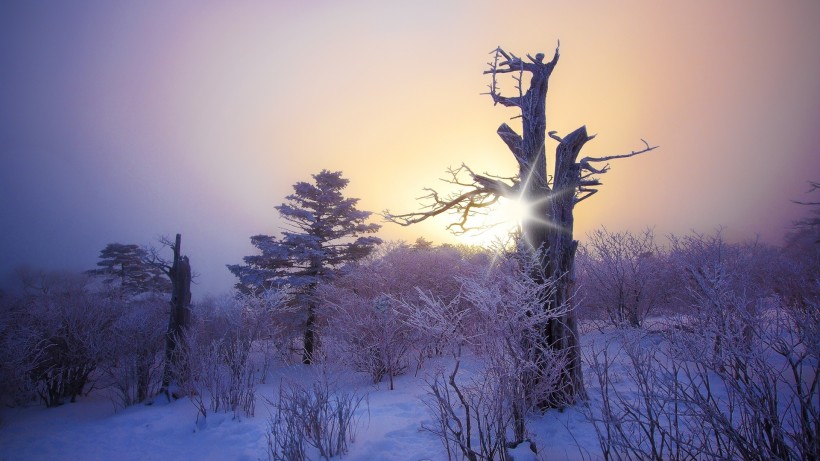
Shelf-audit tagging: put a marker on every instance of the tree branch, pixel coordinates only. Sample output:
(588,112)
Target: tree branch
(484,191)
(814,186)
(586,160)
(587,182)
(153,257)
(512,63)
(587,193)
(511,139)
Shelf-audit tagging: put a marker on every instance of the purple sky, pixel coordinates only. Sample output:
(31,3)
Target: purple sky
(122,121)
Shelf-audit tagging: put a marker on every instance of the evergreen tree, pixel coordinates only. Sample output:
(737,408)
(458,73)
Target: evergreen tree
(128,269)
(324,232)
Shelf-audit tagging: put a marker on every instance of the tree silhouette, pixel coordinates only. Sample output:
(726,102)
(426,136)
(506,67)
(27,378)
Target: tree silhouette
(128,268)
(548,231)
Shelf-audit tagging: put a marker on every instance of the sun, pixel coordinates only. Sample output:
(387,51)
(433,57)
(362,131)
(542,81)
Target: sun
(500,223)
(514,211)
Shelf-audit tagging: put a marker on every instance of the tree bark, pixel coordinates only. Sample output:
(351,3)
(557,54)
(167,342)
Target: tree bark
(310,336)
(560,247)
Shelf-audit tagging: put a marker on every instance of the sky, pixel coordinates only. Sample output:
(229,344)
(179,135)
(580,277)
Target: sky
(126,121)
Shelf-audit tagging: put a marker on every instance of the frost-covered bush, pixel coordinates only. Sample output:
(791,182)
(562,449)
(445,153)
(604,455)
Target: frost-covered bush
(471,419)
(222,376)
(622,275)
(15,386)
(365,310)
(133,349)
(706,263)
(498,318)
(312,417)
(373,336)
(739,379)
(62,336)
(220,365)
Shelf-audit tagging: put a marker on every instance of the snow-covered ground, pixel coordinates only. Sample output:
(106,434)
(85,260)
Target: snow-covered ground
(390,427)
(389,424)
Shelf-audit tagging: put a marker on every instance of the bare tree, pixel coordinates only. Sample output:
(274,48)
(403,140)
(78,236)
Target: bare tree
(179,271)
(548,232)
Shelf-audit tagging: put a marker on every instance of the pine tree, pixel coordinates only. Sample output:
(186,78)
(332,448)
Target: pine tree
(126,267)
(324,232)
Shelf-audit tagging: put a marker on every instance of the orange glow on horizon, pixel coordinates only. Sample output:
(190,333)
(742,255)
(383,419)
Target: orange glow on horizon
(149,118)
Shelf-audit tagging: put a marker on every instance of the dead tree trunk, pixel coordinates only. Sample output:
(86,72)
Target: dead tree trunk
(180,275)
(548,232)
(560,248)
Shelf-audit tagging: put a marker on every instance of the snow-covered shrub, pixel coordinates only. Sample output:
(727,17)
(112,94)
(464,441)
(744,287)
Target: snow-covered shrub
(133,350)
(398,271)
(742,381)
(800,283)
(222,374)
(373,337)
(267,319)
(15,386)
(507,318)
(471,419)
(767,358)
(219,363)
(638,415)
(499,316)
(725,285)
(314,416)
(701,259)
(365,309)
(738,379)
(621,275)
(63,335)
(440,325)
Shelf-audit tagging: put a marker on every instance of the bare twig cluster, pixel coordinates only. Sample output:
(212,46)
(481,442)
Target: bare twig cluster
(315,415)
(220,366)
(478,193)
(737,379)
